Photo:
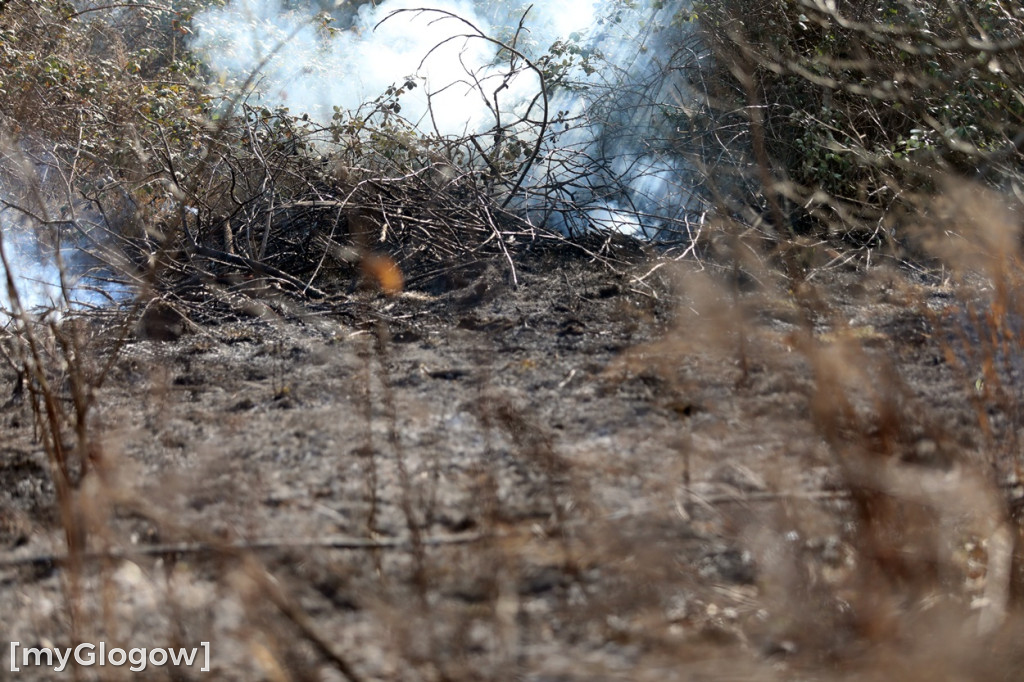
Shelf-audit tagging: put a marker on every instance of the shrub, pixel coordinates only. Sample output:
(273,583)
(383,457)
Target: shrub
(861,105)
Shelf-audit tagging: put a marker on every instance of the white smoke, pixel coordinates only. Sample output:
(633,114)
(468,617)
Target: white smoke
(51,273)
(37,282)
(611,98)
(310,69)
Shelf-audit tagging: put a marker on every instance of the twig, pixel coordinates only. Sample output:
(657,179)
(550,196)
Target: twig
(639,280)
(122,5)
(743,498)
(273,589)
(476,33)
(340,542)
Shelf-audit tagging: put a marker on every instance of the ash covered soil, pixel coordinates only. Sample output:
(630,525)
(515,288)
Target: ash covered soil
(623,472)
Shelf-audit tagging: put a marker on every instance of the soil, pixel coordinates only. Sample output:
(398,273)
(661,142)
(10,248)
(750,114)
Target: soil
(643,470)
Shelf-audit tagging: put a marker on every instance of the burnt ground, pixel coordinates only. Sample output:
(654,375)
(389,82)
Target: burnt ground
(652,471)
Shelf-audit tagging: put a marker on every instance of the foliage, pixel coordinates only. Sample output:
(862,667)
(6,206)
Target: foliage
(862,102)
(105,98)
(79,75)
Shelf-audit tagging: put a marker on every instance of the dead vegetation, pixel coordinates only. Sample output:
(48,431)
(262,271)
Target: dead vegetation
(364,419)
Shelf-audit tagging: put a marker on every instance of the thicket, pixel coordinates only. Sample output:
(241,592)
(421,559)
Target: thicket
(115,140)
(851,116)
(103,125)
(859,111)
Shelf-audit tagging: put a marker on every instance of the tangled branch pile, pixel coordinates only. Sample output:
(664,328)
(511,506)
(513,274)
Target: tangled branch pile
(116,145)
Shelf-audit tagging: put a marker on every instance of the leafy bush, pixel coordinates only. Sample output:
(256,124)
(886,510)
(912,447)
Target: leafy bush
(100,80)
(101,114)
(865,104)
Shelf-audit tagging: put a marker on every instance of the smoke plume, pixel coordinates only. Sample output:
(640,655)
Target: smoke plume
(611,157)
(50,262)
